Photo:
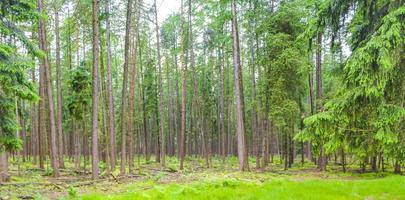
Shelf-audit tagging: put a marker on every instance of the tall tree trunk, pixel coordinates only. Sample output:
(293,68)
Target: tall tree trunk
(41,129)
(46,65)
(161,115)
(255,134)
(195,102)
(94,135)
(222,106)
(104,147)
(111,118)
(312,105)
(322,156)
(59,89)
(177,113)
(131,103)
(183,95)
(34,125)
(131,107)
(143,104)
(145,129)
(41,119)
(17,135)
(240,129)
(77,123)
(23,130)
(125,87)
(171,112)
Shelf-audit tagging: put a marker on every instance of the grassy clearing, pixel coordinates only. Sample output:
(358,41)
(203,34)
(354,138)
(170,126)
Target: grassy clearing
(392,187)
(220,181)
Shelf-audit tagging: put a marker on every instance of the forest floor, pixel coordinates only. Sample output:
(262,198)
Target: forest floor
(220,181)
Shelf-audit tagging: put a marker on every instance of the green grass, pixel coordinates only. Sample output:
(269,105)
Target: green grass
(220,181)
(392,187)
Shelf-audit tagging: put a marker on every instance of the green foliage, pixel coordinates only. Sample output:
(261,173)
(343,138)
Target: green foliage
(72,192)
(80,84)
(284,66)
(14,83)
(38,197)
(367,112)
(13,12)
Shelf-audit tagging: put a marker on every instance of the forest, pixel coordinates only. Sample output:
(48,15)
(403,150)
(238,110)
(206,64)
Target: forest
(202,99)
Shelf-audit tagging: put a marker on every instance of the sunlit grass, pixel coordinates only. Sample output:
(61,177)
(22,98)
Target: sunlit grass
(221,181)
(392,187)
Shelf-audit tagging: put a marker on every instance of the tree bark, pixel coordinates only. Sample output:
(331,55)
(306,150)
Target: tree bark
(76,142)
(34,125)
(240,130)
(183,95)
(255,134)
(131,103)
(111,118)
(222,106)
(59,90)
(94,135)
(161,115)
(312,105)
(23,131)
(125,88)
(4,176)
(46,65)
(322,156)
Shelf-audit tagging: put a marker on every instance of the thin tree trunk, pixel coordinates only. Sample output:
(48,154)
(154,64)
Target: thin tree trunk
(131,107)
(322,156)
(177,113)
(312,105)
(285,151)
(144,121)
(59,90)
(161,115)
(111,118)
(94,135)
(265,129)
(254,112)
(183,95)
(51,111)
(4,176)
(343,160)
(41,118)
(290,150)
(23,131)
(76,142)
(103,107)
(34,125)
(240,130)
(125,88)
(105,149)
(171,113)
(222,106)
(17,135)
(131,103)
